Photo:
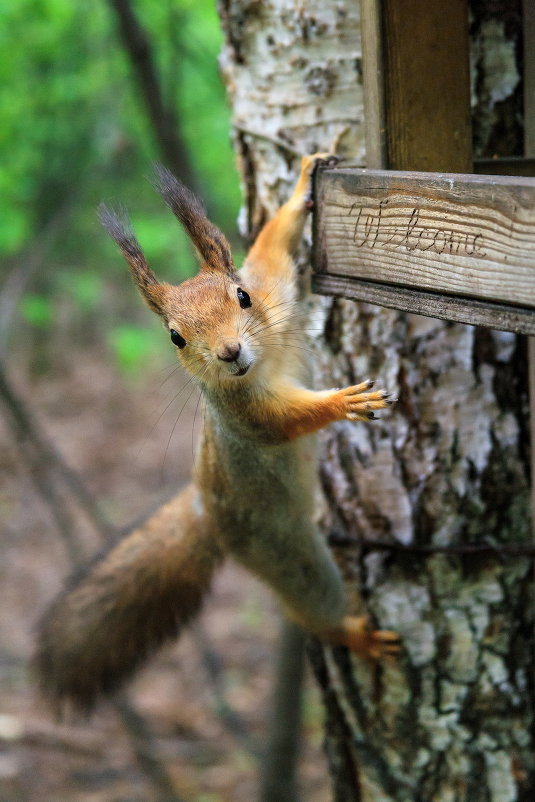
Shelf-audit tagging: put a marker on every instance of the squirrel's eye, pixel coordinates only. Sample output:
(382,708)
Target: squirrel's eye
(177,339)
(243,298)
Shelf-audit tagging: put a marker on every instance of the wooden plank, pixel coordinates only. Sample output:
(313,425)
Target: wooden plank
(459,310)
(425,46)
(471,236)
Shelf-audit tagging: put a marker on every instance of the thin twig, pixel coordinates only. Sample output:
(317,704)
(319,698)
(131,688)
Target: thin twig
(47,740)
(42,457)
(509,549)
(280,143)
(27,427)
(62,517)
(28,264)
(231,720)
(163,117)
(146,749)
(279,769)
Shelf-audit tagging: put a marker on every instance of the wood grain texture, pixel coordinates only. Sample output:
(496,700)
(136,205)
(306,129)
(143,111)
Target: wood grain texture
(415,62)
(470,236)
(528,10)
(425,49)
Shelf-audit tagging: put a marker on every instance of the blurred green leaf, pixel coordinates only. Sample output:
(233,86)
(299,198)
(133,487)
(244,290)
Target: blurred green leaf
(167,246)
(36,310)
(135,347)
(85,288)
(209,797)
(156,234)
(13,230)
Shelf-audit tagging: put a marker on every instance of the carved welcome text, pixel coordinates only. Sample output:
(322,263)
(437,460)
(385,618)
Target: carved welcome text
(373,230)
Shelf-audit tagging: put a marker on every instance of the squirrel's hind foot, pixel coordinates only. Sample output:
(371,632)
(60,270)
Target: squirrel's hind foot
(372,644)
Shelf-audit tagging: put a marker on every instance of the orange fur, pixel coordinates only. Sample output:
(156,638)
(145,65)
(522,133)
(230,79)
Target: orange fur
(125,604)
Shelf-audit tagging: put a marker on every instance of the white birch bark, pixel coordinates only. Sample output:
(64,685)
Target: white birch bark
(451,720)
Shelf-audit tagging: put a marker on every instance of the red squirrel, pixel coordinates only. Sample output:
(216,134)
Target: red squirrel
(238,333)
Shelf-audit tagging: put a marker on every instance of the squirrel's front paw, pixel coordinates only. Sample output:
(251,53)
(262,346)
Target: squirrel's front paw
(326,159)
(359,403)
(374,644)
(309,164)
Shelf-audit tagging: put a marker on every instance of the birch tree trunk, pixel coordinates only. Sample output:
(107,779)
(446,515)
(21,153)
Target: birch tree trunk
(453,718)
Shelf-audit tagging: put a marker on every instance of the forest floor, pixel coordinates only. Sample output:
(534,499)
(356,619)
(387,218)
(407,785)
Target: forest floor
(101,423)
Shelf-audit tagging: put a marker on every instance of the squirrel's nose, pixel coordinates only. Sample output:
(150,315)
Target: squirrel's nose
(229,352)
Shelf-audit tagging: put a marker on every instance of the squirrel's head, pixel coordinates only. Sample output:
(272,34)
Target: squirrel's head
(212,317)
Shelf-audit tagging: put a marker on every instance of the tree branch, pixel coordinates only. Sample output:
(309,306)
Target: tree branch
(337,540)
(163,117)
(230,719)
(41,457)
(146,749)
(279,769)
(28,264)
(25,424)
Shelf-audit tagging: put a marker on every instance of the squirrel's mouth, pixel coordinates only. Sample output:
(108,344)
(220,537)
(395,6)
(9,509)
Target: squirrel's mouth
(242,371)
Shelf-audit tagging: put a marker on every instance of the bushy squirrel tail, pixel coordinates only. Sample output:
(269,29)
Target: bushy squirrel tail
(126,604)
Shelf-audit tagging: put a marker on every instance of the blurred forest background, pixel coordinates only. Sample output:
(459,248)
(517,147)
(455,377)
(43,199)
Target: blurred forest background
(93,405)
(75,129)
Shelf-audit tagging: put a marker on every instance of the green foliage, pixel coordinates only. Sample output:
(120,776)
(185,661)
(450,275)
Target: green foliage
(134,347)
(36,310)
(166,244)
(14,230)
(76,130)
(86,290)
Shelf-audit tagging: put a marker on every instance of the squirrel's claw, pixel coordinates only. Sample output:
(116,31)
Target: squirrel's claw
(373,644)
(309,165)
(328,160)
(359,404)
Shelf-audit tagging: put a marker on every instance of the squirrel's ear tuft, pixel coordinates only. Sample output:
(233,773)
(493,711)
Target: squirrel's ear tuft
(210,243)
(119,228)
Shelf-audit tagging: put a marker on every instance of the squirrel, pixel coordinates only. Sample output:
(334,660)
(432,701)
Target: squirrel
(237,333)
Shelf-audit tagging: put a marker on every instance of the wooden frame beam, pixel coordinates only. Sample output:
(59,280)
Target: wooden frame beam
(528,12)
(416,84)
(520,320)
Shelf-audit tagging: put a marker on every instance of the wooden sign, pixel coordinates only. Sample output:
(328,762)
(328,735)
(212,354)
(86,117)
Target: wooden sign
(429,242)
